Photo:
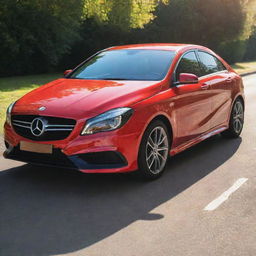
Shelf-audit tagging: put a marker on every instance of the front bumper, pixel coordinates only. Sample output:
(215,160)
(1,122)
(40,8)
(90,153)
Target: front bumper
(108,152)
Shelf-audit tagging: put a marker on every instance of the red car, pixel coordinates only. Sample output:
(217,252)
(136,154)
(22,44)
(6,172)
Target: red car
(127,108)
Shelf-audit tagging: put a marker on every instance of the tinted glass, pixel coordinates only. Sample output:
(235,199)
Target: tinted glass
(209,63)
(221,66)
(126,65)
(188,64)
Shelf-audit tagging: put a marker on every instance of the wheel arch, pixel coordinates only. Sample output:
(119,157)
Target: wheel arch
(162,117)
(166,121)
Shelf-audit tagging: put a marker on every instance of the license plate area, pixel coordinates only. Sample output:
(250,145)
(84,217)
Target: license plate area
(36,147)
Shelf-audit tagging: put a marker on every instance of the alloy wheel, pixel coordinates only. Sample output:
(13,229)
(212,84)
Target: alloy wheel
(157,150)
(238,117)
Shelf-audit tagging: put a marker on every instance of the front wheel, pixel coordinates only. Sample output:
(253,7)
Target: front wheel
(154,150)
(236,122)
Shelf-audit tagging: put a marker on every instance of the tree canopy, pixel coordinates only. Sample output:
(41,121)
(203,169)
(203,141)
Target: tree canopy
(48,35)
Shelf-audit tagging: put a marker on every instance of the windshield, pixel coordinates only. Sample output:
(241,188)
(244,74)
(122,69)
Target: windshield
(129,64)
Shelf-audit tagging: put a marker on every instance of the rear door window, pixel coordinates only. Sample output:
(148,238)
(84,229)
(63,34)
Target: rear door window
(221,66)
(209,63)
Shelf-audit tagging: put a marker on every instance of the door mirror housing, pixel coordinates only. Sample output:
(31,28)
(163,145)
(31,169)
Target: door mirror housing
(187,78)
(66,72)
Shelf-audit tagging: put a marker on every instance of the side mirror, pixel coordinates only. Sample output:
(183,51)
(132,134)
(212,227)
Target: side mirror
(66,72)
(187,78)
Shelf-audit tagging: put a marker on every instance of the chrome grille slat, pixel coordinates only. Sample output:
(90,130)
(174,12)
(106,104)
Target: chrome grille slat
(61,129)
(48,125)
(22,122)
(59,125)
(55,128)
(20,125)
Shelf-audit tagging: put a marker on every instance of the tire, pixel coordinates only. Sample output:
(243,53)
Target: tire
(154,151)
(236,122)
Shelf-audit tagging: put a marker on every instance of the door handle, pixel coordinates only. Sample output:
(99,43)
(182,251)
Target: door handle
(229,80)
(204,86)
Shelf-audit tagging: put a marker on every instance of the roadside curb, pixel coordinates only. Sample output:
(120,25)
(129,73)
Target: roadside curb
(248,73)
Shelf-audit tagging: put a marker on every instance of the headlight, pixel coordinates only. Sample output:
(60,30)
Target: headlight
(8,113)
(108,121)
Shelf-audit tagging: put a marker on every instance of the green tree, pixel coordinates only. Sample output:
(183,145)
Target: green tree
(250,53)
(35,34)
(125,14)
(217,24)
(45,35)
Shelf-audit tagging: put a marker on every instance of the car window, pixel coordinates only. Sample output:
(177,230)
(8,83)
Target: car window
(210,64)
(221,66)
(128,64)
(188,64)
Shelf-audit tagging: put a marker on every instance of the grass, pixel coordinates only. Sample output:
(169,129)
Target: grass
(12,88)
(244,67)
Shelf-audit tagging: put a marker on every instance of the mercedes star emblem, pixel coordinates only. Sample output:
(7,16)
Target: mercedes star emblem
(42,108)
(37,127)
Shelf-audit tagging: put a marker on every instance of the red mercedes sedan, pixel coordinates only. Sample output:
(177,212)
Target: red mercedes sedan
(127,108)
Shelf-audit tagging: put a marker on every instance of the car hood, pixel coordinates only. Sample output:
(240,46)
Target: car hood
(75,98)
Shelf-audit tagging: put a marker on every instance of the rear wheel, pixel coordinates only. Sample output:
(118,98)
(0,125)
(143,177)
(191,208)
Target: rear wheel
(236,122)
(154,150)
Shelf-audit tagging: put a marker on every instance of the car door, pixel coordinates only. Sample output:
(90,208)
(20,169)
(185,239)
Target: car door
(220,81)
(192,102)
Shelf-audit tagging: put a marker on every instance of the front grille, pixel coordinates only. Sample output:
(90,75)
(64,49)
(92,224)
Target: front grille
(54,128)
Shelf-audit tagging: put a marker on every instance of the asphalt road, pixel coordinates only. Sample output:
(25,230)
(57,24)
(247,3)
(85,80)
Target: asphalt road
(47,211)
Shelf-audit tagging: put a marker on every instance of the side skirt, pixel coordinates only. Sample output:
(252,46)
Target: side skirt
(197,140)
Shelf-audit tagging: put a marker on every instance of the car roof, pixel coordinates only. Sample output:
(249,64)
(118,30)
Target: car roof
(156,46)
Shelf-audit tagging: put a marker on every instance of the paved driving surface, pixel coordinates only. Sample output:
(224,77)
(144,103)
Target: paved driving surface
(47,211)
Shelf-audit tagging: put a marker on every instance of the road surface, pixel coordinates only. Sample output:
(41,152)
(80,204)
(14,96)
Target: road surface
(205,204)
